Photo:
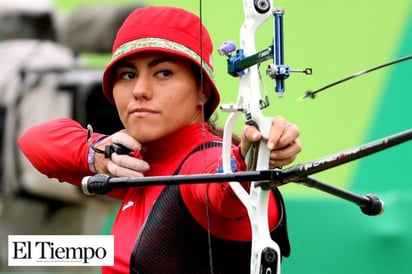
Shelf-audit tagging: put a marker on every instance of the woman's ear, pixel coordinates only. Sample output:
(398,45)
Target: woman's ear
(204,93)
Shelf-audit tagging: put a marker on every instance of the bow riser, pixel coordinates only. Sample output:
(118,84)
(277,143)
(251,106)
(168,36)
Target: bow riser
(265,253)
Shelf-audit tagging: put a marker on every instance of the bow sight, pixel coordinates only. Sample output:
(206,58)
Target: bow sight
(279,71)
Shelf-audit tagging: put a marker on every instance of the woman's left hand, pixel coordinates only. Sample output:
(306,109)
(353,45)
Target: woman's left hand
(283,141)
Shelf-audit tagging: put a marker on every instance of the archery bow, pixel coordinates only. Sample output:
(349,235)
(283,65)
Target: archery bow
(265,253)
(249,102)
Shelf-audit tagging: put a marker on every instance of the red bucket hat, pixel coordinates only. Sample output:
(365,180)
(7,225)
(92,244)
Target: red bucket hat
(165,29)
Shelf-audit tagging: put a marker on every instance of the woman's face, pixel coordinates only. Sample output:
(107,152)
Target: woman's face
(156,94)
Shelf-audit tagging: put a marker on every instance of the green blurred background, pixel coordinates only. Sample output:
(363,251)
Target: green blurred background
(335,39)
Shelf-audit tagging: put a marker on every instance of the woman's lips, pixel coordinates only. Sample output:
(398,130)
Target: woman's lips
(142,112)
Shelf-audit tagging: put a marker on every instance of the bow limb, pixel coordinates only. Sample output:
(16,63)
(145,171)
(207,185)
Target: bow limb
(265,253)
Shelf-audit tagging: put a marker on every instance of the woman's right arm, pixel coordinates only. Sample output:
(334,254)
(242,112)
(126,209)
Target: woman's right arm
(58,149)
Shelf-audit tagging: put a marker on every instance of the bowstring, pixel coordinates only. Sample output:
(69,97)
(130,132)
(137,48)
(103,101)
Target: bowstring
(203,100)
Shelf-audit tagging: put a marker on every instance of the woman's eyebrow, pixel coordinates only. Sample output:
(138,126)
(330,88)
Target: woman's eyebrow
(160,60)
(125,64)
(152,63)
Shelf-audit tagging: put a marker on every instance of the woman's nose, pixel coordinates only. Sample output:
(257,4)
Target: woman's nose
(142,88)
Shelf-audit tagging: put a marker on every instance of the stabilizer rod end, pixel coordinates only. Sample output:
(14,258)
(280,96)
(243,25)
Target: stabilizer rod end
(374,207)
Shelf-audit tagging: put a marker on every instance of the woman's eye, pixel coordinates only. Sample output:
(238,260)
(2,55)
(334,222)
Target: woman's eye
(163,73)
(127,75)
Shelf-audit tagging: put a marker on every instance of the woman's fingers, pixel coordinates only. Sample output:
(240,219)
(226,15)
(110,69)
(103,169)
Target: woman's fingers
(283,141)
